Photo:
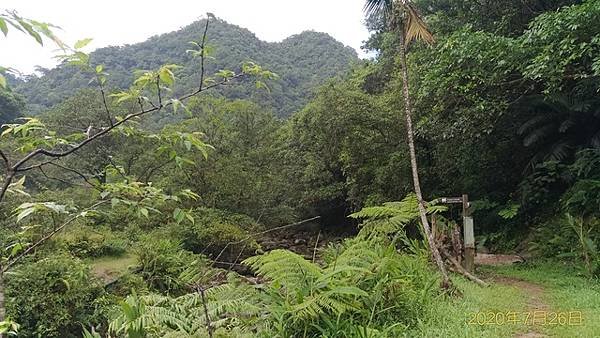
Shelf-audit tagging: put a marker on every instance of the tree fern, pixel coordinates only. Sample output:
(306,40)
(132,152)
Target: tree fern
(391,217)
(285,268)
(307,290)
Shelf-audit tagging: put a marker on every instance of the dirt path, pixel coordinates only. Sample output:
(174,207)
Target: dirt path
(535,302)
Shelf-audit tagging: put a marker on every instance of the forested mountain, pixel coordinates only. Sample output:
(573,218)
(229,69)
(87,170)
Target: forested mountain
(302,61)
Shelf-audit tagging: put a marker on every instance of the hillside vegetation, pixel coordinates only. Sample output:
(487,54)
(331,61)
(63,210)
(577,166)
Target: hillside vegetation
(302,61)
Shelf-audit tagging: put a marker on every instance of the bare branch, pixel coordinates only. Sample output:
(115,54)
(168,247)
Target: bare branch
(106,109)
(84,177)
(264,232)
(158,91)
(7,181)
(5,159)
(56,178)
(36,166)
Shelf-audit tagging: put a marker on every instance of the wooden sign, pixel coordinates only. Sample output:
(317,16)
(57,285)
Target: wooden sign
(451,200)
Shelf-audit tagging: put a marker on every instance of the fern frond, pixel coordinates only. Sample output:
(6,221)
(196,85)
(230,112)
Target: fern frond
(285,268)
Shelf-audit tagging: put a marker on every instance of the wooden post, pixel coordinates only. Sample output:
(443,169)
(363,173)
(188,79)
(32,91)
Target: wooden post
(469,235)
(457,246)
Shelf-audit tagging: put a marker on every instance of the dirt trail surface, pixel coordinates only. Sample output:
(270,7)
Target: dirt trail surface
(535,302)
(533,292)
(493,259)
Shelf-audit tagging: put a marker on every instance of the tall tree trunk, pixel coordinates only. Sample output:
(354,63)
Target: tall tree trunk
(413,163)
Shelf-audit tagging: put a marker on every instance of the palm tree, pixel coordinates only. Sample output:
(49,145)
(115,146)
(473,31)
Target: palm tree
(404,18)
(560,125)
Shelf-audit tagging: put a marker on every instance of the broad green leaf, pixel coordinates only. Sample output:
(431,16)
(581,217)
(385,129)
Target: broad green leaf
(82,43)
(16,248)
(166,76)
(25,213)
(31,31)
(3,27)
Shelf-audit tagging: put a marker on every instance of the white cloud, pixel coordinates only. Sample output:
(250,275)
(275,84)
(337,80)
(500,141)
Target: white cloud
(118,22)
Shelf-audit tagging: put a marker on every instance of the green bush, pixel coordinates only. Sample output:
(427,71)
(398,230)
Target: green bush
(213,230)
(554,239)
(54,297)
(87,242)
(161,261)
(126,283)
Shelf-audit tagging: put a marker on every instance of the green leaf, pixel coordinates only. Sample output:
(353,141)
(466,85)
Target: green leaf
(144,212)
(82,43)
(3,27)
(178,215)
(166,76)
(2,81)
(18,247)
(31,31)
(26,212)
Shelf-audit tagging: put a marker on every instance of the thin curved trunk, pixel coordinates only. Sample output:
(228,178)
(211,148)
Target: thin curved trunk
(413,164)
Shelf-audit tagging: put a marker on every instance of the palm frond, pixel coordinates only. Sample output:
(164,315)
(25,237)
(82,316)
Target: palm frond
(378,7)
(414,26)
(559,151)
(537,135)
(534,121)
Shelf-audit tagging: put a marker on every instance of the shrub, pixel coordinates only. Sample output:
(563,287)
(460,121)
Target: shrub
(213,230)
(87,242)
(126,283)
(368,287)
(54,297)
(161,261)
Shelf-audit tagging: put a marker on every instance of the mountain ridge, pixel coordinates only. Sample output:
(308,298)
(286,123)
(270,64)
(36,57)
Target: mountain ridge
(303,61)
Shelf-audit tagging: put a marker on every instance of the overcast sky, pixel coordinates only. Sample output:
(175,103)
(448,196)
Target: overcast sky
(118,22)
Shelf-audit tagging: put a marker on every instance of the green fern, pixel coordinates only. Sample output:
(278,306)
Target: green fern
(389,219)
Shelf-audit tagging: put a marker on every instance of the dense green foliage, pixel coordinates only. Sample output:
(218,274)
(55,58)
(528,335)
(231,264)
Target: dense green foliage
(11,106)
(55,297)
(365,287)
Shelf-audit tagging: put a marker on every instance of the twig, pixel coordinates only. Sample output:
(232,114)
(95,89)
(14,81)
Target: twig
(110,121)
(316,244)
(202,54)
(5,159)
(264,232)
(57,179)
(36,166)
(85,178)
(158,91)
(208,323)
